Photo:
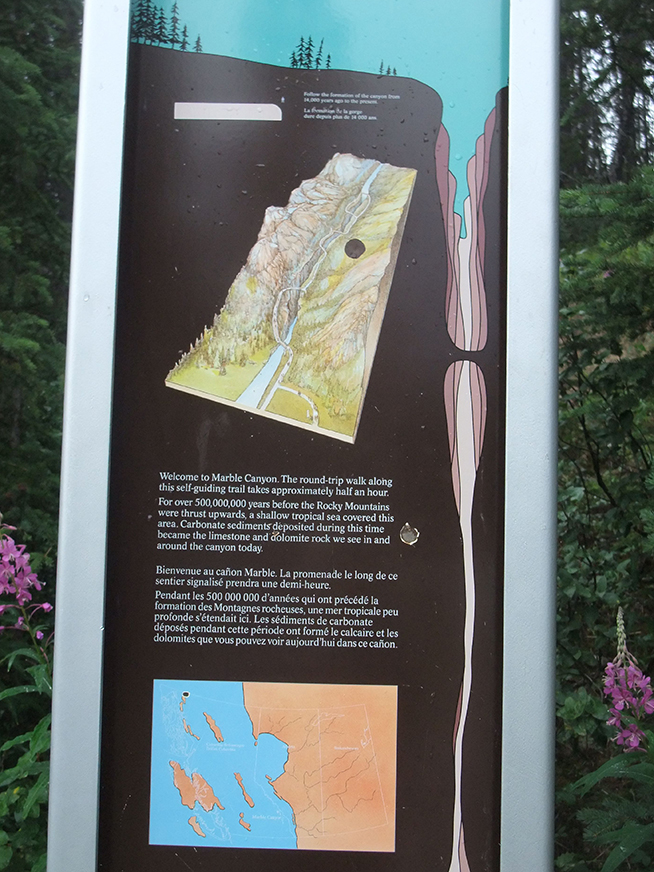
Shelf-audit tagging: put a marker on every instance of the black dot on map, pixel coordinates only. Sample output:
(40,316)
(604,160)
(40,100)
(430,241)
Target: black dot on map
(354,248)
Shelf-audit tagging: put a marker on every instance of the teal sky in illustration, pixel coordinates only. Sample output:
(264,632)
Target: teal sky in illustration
(458,47)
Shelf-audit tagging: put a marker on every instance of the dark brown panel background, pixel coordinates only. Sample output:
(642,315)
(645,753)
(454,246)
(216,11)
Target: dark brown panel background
(193,202)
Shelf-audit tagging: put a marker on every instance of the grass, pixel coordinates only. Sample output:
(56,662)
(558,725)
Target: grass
(230,386)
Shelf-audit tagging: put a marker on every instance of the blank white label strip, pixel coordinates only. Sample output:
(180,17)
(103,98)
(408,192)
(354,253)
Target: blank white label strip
(227,112)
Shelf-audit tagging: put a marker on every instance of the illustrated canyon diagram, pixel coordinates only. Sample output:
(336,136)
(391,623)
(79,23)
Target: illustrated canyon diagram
(296,337)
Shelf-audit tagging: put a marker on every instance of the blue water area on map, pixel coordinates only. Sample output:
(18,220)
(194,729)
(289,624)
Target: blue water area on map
(271,818)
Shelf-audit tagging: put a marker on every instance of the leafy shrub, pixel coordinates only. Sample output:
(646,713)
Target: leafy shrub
(25,695)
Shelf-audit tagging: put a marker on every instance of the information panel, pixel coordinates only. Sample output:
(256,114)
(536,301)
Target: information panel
(303,637)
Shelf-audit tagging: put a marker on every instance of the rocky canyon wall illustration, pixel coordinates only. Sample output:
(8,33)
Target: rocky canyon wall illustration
(465,305)
(296,337)
(466,403)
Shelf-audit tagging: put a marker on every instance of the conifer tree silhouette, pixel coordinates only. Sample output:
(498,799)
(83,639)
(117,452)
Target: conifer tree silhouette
(300,53)
(381,68)
(161,29)
(173,35)
(134,27)
(140,19)
(318,61)
(150,23)
(303,57)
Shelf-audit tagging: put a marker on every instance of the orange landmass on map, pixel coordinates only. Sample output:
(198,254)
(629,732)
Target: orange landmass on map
(189,730)
(213,726)
(246,796)
(194,789)
(196,826)
(340,775)
(204,793)
(244,823)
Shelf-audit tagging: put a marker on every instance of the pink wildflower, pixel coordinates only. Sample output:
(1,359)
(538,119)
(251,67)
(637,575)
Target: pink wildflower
(630,737)
(17,579)
(16,575)
(630,692)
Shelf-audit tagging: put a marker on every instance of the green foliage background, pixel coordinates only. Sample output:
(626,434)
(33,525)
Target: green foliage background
(606,420)
(39,60)
(605,809)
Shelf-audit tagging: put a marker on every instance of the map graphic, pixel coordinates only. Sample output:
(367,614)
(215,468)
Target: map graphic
(286,766)
(296,337)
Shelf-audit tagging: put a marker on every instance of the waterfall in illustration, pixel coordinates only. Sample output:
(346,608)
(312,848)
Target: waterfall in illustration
(465,404)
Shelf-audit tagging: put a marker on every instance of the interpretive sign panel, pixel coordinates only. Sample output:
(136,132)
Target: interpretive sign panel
(305,552)
(296,225)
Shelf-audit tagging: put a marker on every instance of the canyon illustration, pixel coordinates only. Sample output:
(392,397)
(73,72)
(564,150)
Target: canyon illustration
(296,337)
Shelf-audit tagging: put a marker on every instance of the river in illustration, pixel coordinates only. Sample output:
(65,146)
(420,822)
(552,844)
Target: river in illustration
(254,392)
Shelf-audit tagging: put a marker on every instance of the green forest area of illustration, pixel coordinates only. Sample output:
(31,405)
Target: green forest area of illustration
(605,797)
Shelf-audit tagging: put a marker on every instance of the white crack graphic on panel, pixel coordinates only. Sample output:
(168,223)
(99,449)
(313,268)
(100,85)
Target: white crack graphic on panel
(465,404)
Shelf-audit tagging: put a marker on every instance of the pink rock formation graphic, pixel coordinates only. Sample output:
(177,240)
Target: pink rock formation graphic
(465,302)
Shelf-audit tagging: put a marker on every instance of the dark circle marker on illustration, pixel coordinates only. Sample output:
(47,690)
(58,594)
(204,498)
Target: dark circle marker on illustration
(354,248)
(186,693)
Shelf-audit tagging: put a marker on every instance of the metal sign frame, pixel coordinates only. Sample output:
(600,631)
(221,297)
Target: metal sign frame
(528,707)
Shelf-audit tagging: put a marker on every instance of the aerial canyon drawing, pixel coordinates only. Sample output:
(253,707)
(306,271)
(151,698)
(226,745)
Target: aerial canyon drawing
(296,337)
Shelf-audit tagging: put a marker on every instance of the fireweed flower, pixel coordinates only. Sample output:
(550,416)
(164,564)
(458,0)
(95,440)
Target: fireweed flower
(17,580)
(630,693)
